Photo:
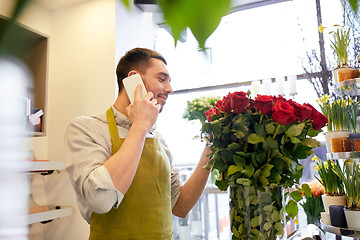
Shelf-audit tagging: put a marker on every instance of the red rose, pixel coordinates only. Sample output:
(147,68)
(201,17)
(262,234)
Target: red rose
(318,119)
(212,111)
(239,102)
(283,113)
(303,112)
(263,104)
(224,104)
(278,99)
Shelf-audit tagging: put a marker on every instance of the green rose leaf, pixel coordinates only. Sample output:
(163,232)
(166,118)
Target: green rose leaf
(265,170)
(222,185)
(239,160)
(270,129)
(296,195)
(302,152)
(255,222)
(259,129)
(295,130)
(243,181)
(235,232)
(275,216)
(248,171)
(234,168)
(263,180)
(267,226)
(233,146)
(272,143)
(254,138)
(295,140)
(311,142)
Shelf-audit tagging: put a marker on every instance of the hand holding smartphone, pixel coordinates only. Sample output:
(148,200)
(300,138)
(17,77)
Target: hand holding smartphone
(130,84)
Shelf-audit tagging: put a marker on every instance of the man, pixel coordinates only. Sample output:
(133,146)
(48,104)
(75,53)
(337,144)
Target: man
(119,168)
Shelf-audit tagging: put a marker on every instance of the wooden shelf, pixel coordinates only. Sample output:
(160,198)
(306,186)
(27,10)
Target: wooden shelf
(343,155)
(46,166)
(46,216)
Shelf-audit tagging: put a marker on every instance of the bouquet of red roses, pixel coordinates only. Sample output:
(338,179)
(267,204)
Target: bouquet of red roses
(258,143)
(261,139)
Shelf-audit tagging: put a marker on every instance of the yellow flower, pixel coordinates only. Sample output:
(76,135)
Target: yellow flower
(351,101)
(296,220)
(314,158)
(316,168)
(321,28)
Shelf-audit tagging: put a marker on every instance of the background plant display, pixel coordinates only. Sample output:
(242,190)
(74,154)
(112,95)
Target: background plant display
(312,202)
(257,143)
(332,183)
(341,112)
(196,108)
(350,176)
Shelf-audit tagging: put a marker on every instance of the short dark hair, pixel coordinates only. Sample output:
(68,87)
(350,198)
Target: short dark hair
(135,59)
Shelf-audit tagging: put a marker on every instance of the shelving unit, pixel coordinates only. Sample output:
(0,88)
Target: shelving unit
(46,166)
(349,87)
(31,47)
(47,216)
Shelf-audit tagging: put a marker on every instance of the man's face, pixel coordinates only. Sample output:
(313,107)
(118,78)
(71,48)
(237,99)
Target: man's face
(157,80)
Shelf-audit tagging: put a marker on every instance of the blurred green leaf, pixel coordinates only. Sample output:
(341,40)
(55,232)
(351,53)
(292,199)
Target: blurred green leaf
(295,130)
(234,168)
(296,196)
(255,138)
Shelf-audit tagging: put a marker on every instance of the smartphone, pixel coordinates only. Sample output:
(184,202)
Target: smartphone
(130,84)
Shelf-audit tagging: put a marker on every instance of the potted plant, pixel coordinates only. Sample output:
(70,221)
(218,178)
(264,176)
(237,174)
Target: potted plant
(333,185)
(339,43)
(312,202)
(350,175)
(342,114)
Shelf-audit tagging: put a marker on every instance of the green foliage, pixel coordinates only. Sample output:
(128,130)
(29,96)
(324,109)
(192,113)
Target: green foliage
(180,14)
(312,203)
(350,176)
(342,112)
(256,214)
(331,181)
(196,108)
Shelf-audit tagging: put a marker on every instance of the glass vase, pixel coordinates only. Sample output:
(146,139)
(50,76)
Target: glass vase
(257,213)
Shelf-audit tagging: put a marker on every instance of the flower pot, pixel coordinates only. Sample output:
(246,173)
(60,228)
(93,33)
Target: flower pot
(325,218)
(332,200)
(337,216)
(334,134)
(256,214)
(347,73)
(352,219)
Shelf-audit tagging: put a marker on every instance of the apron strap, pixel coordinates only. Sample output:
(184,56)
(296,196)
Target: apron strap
(114,134)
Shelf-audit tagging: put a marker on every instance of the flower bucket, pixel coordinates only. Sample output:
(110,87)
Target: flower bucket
(332,200)
(334,134)
(352,219)
(256,214)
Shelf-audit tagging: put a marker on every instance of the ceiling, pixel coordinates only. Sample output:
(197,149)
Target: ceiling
(237,5)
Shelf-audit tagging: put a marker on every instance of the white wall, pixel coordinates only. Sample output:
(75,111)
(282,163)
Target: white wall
(86,41)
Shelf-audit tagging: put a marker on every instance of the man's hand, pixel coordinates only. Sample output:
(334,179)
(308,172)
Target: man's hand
(145,111)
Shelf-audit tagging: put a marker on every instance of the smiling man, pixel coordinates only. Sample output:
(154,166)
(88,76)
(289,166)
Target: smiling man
(120,167)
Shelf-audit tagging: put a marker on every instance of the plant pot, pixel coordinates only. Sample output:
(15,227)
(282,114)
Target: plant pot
(352,219)
(334,134)
(325,218)
(256,214)
(347,74)
(332,200)
(337,216)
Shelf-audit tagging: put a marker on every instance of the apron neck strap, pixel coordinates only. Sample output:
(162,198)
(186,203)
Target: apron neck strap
(114,134)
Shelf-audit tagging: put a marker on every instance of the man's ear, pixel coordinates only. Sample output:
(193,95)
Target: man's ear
(132,72)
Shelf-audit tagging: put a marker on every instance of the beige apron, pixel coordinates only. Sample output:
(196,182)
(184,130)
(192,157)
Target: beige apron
(145,211)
